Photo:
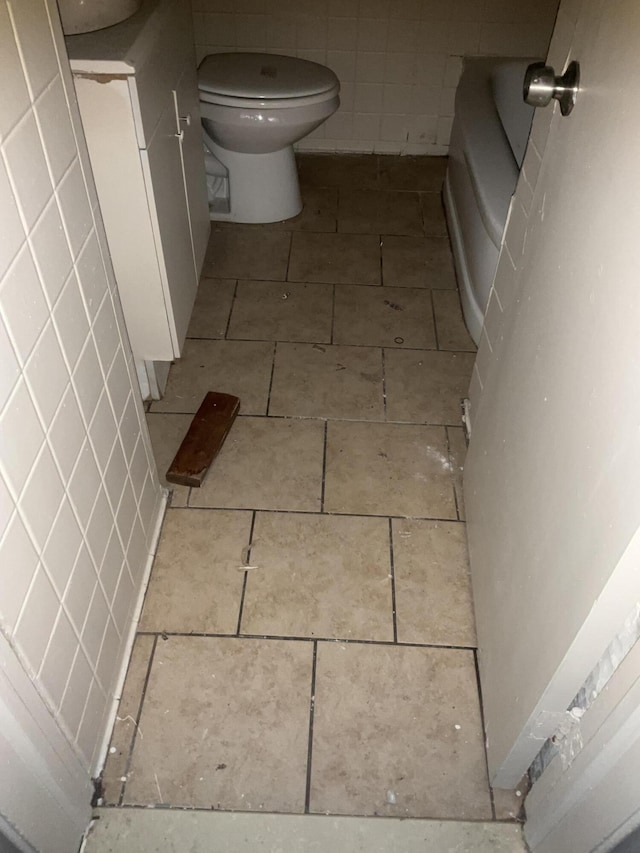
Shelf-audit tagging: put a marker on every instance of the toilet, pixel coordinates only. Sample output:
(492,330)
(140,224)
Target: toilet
(254,106)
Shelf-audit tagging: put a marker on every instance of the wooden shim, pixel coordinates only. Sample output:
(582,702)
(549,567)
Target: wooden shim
(204,438)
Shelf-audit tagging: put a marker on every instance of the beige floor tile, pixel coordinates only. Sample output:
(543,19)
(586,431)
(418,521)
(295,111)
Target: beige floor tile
(327,170)
(509,804)
(411,173)
(314,381)
(247,253)
(397,731)
(426,387)
(196,585)
(167,432)
(417,262)
(125,724)
(433,585)
(225,725)
(379,212)
(319,213)
(457,456)
(452,331)
(372,316)
(242,368)
(388,469)
(212,308)
(282,311)
(137,830)
(433,214)
(319,576)
(267,463)
(335,258)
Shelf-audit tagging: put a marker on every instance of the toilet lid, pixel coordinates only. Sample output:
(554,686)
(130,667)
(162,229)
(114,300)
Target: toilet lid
(263,75)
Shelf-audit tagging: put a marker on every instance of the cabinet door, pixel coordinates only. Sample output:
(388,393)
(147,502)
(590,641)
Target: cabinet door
(187,105)
(162,165)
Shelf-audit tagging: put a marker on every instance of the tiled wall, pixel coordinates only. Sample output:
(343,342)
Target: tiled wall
(79,494)
(398,61)
(504,293)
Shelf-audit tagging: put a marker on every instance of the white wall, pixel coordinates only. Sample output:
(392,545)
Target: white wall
(398,61)
(79,494)
(505,290)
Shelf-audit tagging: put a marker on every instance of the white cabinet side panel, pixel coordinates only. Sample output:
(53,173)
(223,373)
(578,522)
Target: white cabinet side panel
(115,159)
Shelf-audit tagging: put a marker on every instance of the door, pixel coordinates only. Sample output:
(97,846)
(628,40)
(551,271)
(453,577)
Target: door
(551,480)
(162,166)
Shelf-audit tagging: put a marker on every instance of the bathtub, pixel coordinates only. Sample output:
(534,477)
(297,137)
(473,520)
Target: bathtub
(488,140)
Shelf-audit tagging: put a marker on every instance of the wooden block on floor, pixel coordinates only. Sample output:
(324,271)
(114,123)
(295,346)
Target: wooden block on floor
(204,438)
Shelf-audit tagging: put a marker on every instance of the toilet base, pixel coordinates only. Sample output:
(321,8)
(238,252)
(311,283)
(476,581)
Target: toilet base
(262,187)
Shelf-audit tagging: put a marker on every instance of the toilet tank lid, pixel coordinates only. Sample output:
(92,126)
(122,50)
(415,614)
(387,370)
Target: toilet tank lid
(263,75)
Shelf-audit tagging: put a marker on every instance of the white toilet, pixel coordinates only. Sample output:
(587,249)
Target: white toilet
(254,106)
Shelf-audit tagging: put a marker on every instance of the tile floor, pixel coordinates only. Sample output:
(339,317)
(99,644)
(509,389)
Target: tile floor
(307,640)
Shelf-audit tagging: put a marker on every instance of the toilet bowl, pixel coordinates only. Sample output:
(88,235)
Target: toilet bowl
(254,106)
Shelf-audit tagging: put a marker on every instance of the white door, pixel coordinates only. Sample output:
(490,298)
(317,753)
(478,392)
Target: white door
(552,480)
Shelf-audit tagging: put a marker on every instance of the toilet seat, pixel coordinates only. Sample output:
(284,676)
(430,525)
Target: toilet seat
(268,103)
(263,77)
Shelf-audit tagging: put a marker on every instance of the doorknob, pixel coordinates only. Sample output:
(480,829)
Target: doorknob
(541,85)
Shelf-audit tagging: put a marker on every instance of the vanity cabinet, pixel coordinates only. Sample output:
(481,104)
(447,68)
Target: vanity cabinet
(137,89)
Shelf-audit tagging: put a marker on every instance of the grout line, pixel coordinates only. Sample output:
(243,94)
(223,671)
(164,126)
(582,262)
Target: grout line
(435,324)
(233,305)
(370,817)
(453,476)
(324,466)
(333,419)
(333,314)
(384,385)
(246,575)
(137,720)
(312,706)
(337,283)
(315,512)
(289,639)
(291,233)
(393,583)
(325,343)
(484,732)
(273,370)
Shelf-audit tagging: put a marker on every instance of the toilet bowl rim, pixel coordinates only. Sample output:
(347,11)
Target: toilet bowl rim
(215,99)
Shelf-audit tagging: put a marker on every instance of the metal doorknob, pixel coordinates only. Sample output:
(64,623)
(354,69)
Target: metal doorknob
(541,85)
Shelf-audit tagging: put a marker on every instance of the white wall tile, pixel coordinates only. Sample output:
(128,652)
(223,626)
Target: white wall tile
(41,497)
(402,43)
(10,367)
(46,374)
(15,96)
(12,234)
(18,565)
(35,43)
(67,433)
(76,692)
(62,547)
(80,589)
(58,140)
(22,303)
(50,250)
(71,321)
(21,437)
(27,169)
(37,620)
(74,207)
(59,659)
